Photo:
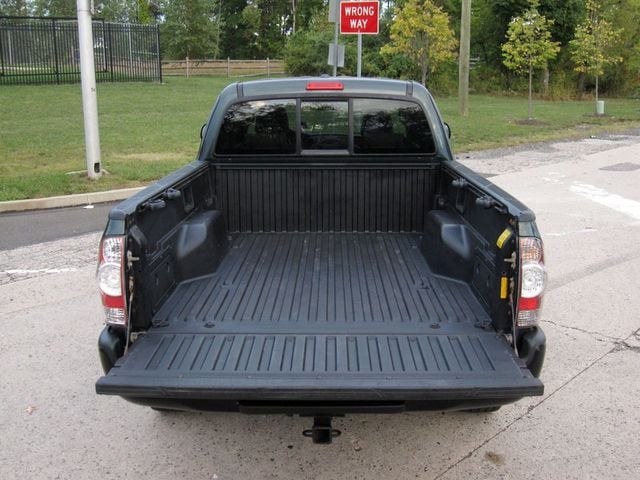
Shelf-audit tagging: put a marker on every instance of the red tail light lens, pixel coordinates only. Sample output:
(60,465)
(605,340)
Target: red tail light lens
(325,86)
(533,279)
(110,278)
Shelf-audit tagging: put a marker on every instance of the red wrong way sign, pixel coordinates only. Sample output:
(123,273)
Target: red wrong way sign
(359,17)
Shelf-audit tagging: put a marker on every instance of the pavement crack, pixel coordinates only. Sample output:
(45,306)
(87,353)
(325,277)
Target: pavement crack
(624,346)
(616,348)
(582,330)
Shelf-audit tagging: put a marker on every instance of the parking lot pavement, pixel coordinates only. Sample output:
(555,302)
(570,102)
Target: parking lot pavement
(19,229)
(585,426)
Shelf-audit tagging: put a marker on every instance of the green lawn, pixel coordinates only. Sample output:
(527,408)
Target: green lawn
(148,130)
(493,121)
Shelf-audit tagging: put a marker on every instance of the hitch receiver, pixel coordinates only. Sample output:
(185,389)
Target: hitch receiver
(321,432)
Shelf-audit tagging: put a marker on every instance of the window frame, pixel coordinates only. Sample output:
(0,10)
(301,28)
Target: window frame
(348,153)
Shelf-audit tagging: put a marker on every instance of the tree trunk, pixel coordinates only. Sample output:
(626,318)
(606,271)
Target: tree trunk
(424,75)
(581,84)
(530,117)
(596,88)
(219,19)
(545,81)
(293,26)
(463,59)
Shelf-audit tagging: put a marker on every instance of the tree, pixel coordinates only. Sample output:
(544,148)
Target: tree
(261,28)
(306,52)
(626,76)
(17,8)
(529,45)
(190,29)
(593,42)
(421,31)
(56,8)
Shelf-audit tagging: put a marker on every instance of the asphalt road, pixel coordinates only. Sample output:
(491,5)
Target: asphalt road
(19,229)
(586,425)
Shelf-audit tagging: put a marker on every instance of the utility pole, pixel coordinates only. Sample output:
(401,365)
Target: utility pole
(89,99)
(463,58)
(335,42)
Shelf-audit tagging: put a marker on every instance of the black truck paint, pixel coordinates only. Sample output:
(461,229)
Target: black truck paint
(320,283)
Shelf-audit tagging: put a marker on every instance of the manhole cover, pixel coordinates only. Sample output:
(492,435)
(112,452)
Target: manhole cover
(622,167)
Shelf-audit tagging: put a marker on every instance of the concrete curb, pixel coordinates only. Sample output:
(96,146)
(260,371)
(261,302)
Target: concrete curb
(68,200)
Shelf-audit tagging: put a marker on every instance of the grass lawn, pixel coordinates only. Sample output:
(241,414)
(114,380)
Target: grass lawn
(496,121)
(148,130)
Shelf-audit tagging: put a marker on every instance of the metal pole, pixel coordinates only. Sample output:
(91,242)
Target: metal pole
(158,53)
(335,49)
(359,55)
(2,54)
(55,51)
(89,99)
(110,49)
(10,47)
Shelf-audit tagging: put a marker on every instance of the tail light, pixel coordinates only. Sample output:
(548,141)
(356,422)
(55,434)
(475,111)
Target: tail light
(325,86)
(533,278)
(111,280)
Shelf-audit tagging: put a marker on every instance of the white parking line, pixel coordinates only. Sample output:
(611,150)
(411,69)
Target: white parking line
(27,271)
(572,232)
(629,207)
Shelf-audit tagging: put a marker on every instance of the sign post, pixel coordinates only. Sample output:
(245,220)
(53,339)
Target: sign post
(358,18)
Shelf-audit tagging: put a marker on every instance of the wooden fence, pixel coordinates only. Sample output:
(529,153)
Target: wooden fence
(220,68)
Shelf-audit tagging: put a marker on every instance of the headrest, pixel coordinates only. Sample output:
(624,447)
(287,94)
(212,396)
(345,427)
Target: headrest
(274,120)
(379,122)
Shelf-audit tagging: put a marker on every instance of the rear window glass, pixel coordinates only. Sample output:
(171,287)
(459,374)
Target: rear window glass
(390,126)
(270,127)
(325,125)
(260,127)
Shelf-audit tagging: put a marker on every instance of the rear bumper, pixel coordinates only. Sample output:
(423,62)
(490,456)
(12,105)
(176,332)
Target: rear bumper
(532,349)
(316,408)
(110,347)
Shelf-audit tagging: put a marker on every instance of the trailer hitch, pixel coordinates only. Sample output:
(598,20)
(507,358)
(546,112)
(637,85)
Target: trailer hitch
(321,432)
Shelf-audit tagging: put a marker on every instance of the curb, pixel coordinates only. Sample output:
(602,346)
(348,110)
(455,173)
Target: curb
(68,200)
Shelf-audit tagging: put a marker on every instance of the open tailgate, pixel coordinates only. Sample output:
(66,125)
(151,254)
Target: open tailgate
(304,367)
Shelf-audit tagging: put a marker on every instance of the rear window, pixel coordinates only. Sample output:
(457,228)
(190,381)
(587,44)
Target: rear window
(379,126)
(325,125)
(390,126)
(260,127)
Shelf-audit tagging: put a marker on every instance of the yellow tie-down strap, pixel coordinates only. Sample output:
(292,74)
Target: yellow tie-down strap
(504,236)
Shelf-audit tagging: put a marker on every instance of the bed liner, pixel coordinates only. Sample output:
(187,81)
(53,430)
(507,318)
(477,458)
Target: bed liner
(321,316)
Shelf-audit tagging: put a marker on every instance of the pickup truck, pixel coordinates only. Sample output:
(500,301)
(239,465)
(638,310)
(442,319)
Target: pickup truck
(324,255)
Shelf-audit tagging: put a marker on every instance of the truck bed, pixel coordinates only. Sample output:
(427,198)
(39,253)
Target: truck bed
(313,316)
(320,282)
